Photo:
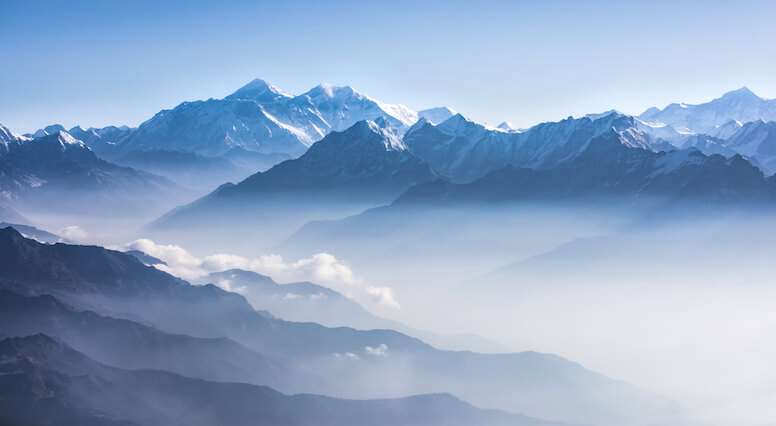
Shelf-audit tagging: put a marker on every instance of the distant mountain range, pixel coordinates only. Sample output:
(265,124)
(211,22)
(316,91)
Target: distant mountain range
(596,157)
(151,307)
(740,106)
(206,143)
(738,122)
(57,168)
(463,150)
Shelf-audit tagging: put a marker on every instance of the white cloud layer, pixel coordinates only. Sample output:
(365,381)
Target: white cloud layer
(321,268)
(73,233)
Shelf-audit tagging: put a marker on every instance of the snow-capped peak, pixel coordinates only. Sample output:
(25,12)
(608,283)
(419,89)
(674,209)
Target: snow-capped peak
(66,138)
(48,130)
(458,125)
(436,115)
(6,135)
(260,91)
(741,93)
(596,116)
(330,91)
(508,127)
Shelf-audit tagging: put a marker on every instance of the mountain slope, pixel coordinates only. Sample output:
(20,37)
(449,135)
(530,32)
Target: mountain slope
(29,231)
(43,379)
(756,140)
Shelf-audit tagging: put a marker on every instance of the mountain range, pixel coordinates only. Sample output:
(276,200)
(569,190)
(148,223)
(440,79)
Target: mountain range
(58,168)
(362,166)
(43,379)
(462,150)
(595,157)
(202,144)
(127,297)
(712,117)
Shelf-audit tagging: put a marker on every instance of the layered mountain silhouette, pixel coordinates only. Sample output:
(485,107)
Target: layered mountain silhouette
(344,173)
(116,284)
(127,344)
(43,379)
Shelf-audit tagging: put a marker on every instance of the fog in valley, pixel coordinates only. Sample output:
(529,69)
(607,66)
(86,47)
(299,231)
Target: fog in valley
(677,301)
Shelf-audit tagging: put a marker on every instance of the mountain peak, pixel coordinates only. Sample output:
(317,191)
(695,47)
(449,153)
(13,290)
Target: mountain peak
(48,130)
(259,90)
(6,135)
(329,90)
(436,115)
(369,131)
(741,93)
(64,137)
(457,124)
(506,126)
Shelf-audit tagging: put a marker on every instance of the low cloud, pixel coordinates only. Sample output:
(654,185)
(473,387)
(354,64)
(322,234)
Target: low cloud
(321,268)
(383,296)
(379,350)
(73,233)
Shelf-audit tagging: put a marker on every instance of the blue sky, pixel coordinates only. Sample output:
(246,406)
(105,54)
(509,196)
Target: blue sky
(111,62)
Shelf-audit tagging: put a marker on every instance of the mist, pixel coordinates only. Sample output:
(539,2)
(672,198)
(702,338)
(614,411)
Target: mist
(661,299)
(676,301)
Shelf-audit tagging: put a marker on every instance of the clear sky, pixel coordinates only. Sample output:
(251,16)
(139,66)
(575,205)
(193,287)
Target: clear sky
(118,62)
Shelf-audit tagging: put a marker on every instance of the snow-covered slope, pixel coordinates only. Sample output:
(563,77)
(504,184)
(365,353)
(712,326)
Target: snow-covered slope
(8,138)
(464,150)
(713,117)
(756,140)
(436,115)
(48,130)
(261,118)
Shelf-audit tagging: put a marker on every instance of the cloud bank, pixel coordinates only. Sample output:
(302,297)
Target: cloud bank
(321,268)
